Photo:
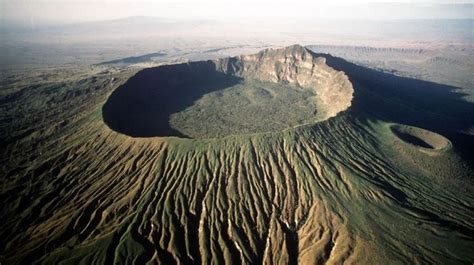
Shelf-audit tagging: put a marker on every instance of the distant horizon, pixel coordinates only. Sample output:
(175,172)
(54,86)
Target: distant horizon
(67,12)
(11,25)
(24,23)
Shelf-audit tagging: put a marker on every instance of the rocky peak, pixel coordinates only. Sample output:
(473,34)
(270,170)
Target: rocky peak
(297,66)
(293,64)
(297,52)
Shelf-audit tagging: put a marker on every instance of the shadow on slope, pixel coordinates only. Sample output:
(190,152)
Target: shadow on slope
(435,107)
(135,59)
(142,106)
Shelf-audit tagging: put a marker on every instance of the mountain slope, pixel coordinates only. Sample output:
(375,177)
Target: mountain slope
(348,189)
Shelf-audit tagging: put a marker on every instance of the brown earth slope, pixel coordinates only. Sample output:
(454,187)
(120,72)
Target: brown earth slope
(344,190)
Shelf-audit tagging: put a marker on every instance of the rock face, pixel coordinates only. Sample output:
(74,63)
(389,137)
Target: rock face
(297,66)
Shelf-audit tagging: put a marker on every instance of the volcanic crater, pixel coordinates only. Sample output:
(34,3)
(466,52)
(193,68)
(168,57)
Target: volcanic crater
(273,90)
(421,138)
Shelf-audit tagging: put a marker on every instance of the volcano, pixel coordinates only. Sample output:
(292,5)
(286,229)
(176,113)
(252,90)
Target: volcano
(281,157)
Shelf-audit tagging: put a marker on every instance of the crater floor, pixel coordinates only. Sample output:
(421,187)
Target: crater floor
(251,106)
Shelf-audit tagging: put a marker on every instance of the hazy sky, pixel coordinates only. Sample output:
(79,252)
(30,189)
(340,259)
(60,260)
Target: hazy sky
(40,11)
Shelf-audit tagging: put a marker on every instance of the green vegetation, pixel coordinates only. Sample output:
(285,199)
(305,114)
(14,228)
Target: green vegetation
(251,106)
(346,189)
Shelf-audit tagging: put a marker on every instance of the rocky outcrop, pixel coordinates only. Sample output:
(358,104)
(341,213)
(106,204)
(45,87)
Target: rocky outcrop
(297,66)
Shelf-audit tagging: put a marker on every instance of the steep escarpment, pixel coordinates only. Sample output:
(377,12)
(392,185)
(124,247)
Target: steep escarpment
(298,66)
(270,91)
